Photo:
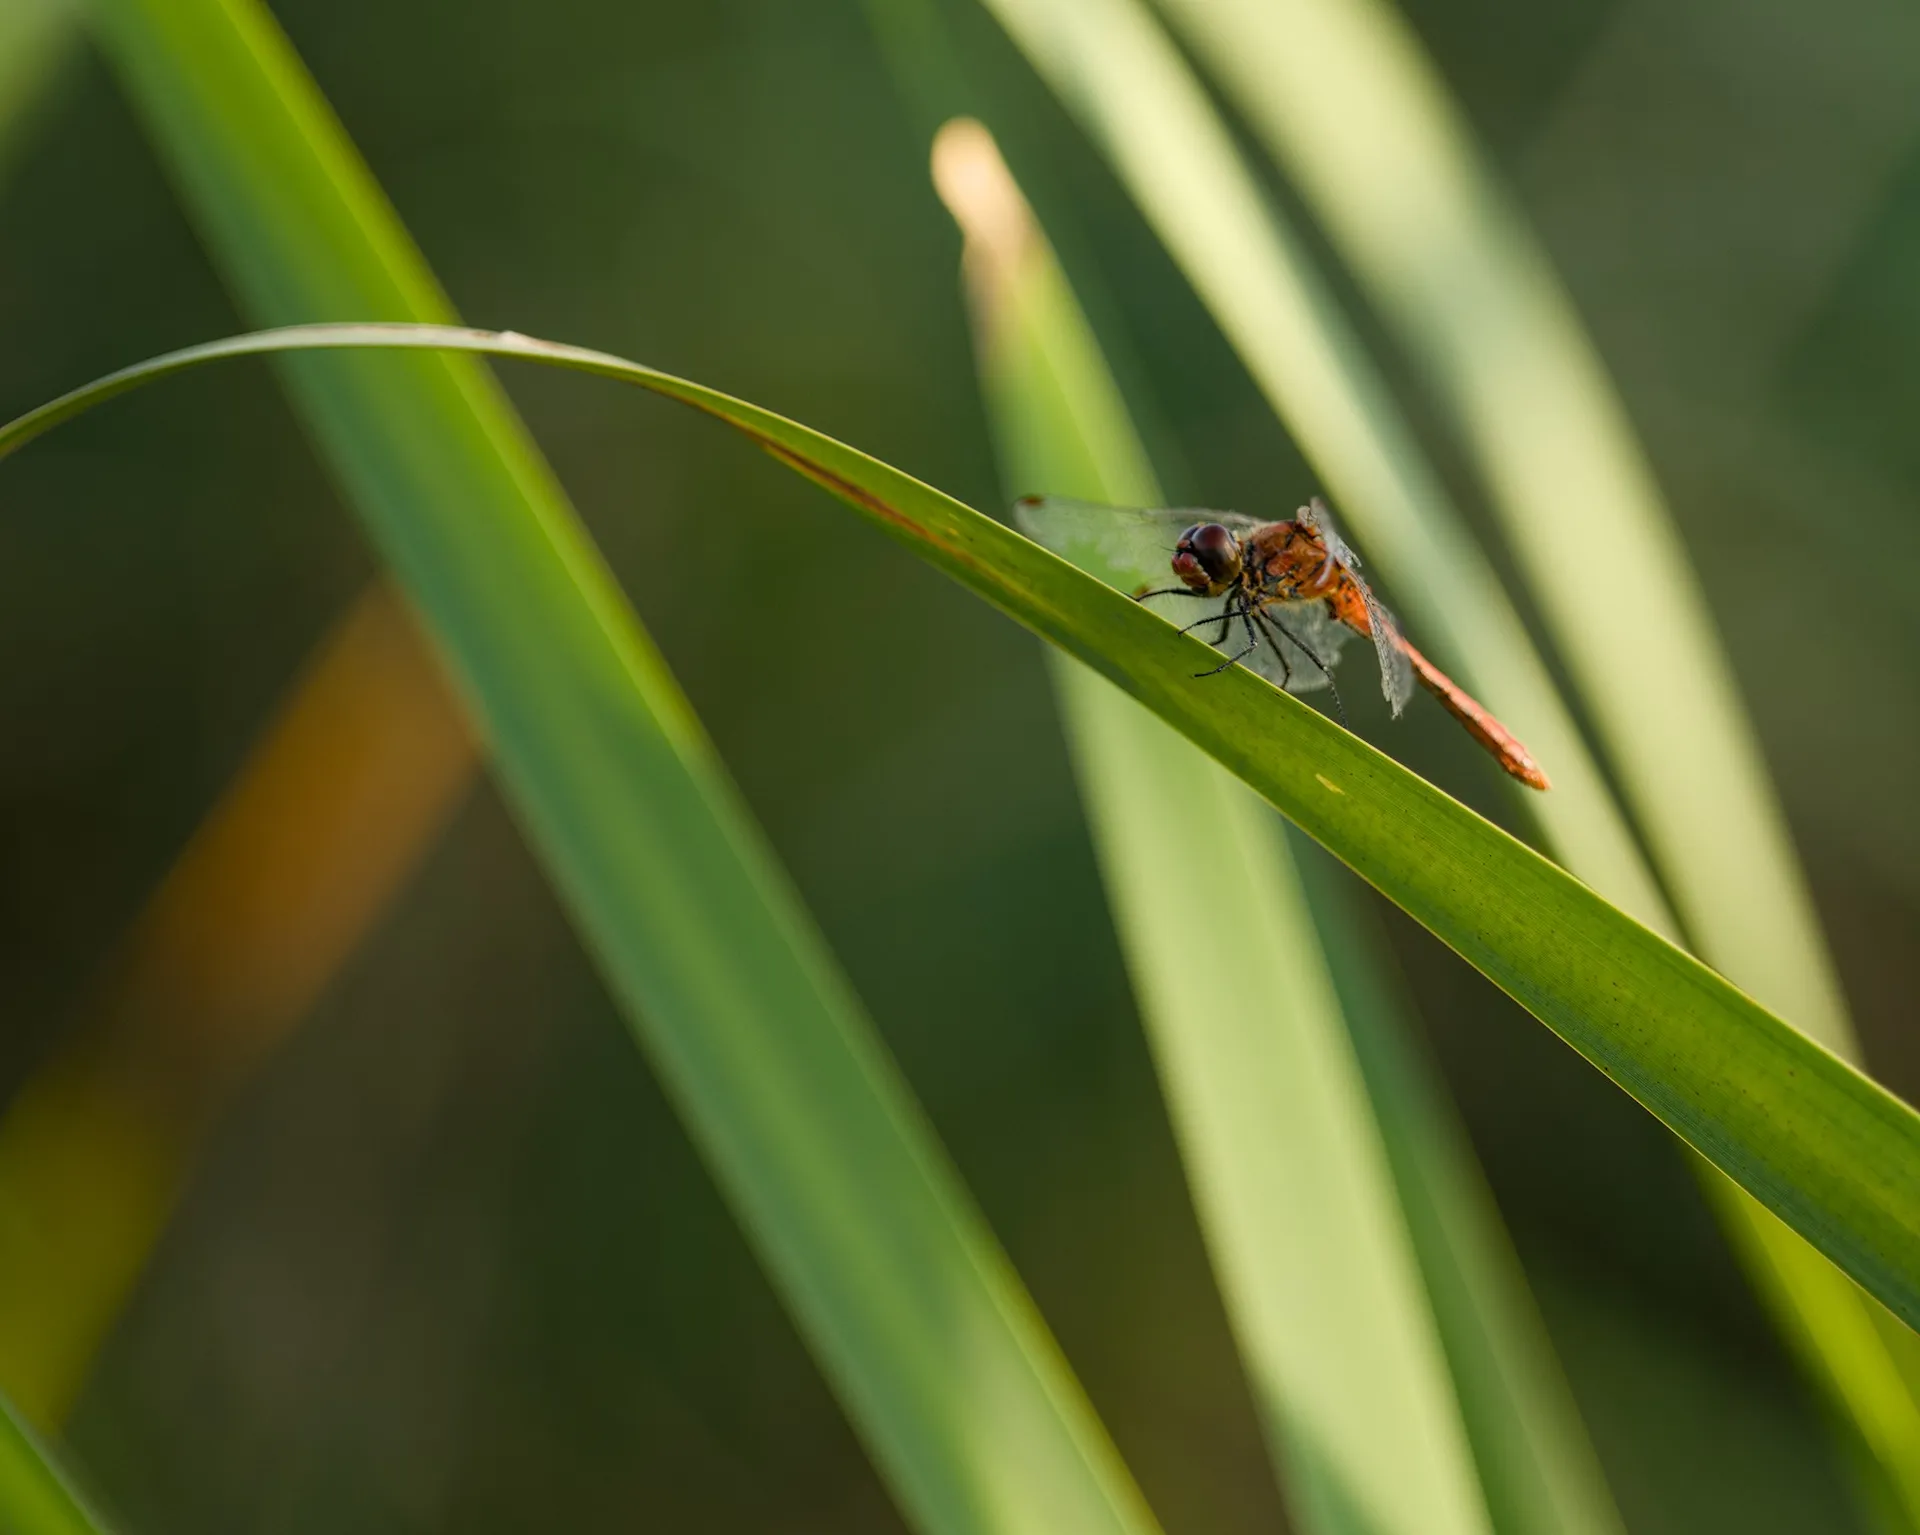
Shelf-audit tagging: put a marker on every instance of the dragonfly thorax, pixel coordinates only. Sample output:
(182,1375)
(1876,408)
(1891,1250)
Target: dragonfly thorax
(1292,561)
(1208,559)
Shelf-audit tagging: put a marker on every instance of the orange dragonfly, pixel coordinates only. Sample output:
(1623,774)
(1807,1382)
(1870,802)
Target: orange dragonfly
(1292,591)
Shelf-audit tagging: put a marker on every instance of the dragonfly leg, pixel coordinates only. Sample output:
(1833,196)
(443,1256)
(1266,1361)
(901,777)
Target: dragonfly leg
(1226,619)
(1253,644)
(1273,644)
(1230,660)
(1168,591)
(1332,686)
(1223,618)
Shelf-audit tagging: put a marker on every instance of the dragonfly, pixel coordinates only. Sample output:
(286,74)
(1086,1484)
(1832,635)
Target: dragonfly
(1288,595)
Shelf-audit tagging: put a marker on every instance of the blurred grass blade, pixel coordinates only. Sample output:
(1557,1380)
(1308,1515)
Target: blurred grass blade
(1061,417)
(1862,1357)
(1831,1152)
(36,1497)
(912,1311)
(36,37)
(1282,1151)
(1347,102)
(1112,64)
(321,826)
(1119,73)
(1283,1157)
(1342,94)
(1539,1468)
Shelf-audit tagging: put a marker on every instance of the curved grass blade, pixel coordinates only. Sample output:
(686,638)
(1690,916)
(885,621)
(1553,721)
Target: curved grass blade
(36,1496)
(1283,1155)
(1835,1155)
(912,1311)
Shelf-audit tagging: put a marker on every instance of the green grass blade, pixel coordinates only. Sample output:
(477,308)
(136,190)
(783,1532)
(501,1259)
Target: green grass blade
(1864,1359)
(1423,222)
(911,1309)
(1110,61)
(1122,77)
(1539,1469)
(1835,1155)
(35,38)
(1413,208)
(1283,1153)
(1060,415)
(1288,1173)
(36,1497)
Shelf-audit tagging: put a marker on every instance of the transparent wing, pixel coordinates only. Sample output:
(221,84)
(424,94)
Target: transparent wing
(1128,547)
(1299,645)
(1295,643)
(1316,516)
(1396,672)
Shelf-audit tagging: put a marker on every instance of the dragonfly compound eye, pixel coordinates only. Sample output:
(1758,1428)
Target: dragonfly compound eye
(1207,558)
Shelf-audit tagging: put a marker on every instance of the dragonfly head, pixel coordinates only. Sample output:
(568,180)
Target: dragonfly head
(1207,559)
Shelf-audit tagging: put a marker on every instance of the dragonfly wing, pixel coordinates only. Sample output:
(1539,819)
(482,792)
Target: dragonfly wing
(1128,547)
(1302,647)
(1396,672)
(1316,516)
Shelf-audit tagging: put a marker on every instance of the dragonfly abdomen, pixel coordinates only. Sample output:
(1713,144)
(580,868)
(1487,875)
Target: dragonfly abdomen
(1349,604)
(1501,742)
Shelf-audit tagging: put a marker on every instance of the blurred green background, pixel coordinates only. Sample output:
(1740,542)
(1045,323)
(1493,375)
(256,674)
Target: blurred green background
(448,1261)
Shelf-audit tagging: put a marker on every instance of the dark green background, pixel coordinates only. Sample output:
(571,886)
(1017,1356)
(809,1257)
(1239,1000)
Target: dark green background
(451,1264)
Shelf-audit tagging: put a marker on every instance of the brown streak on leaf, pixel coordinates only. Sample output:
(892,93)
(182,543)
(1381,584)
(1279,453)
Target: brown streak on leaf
(860,497)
